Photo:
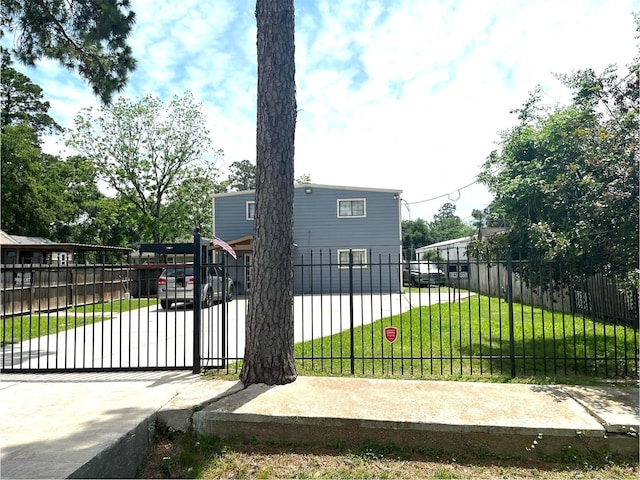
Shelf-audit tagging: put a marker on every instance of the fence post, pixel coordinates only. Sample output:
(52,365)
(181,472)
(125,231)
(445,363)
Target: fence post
(225,306)
(512,342)
(351,321)
(197,290)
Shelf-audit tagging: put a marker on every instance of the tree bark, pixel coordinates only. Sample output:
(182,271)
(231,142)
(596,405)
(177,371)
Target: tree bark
(268,354)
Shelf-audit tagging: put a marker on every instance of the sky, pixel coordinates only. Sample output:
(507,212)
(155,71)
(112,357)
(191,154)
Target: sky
(392,94)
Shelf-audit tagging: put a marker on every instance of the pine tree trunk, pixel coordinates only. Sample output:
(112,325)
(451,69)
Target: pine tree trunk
(268,354)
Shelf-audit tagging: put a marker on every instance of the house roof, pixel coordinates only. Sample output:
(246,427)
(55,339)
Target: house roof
(6,239)
(317,185)
(446,243)
(35,244)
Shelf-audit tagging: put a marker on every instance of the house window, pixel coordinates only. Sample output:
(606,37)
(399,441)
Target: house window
(359,258)
(251,210)
(355,207)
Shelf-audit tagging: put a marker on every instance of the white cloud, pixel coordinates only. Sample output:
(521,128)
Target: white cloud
(392,93)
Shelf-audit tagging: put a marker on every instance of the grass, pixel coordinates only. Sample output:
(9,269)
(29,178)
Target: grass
(188,455)
(471,338)
(25,327)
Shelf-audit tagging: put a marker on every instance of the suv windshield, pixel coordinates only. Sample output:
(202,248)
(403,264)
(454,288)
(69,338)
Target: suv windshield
(424,267)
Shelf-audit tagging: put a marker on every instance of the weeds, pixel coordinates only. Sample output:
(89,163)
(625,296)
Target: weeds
(187,455)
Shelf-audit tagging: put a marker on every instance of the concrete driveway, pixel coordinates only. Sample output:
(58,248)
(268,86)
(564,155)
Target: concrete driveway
(153,337)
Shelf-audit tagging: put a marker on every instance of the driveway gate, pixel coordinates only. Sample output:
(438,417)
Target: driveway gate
(77,318)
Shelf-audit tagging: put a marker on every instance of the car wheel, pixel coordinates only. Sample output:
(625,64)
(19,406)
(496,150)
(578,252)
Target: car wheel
(208,299)
(414,282)
(166,304)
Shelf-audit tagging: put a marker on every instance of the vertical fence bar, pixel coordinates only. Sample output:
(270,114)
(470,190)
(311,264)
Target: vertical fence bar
(196,300)
(225,306)
(351,316)
(512,343)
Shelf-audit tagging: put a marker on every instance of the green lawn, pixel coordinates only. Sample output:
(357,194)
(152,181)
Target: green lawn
(24,327)
(472,338)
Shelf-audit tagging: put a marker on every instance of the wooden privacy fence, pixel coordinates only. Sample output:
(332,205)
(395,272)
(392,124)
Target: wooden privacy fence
(598,295)
(32,288)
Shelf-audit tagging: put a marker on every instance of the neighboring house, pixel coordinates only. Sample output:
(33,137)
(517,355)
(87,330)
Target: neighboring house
(455,249)
(452,254)
(329,222)
(20,249)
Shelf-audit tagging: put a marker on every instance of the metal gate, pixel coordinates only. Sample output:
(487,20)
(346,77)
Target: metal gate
(113,317)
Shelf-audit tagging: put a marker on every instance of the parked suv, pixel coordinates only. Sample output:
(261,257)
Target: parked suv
(418,274)
(176,285)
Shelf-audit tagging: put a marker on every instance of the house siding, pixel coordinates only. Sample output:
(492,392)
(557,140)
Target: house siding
(319,234)
(230,215)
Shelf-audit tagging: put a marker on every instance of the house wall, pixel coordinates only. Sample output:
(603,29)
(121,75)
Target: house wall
(319,233)
(454,251)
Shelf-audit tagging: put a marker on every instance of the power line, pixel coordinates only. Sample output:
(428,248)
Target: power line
(448,195)
(457,190)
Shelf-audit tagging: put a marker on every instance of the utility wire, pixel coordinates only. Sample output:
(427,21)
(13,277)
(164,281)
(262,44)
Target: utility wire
(444,195)
(457,190)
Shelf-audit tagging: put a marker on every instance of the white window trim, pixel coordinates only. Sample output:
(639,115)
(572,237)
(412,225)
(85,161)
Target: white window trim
(354,250)
(363,200)
(246,211)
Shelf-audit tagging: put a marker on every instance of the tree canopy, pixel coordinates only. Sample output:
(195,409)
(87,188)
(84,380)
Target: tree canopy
(446,225)
(22,100)
(565,178)
(32,188)
(242,176)
(147,153)
(87,36)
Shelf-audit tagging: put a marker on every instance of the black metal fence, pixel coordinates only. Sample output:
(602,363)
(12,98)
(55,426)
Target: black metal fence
(489,318)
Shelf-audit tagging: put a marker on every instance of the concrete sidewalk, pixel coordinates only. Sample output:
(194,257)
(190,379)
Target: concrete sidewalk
(98,425)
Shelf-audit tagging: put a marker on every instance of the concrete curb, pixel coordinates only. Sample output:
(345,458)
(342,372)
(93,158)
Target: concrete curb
(101,425)
(497,418)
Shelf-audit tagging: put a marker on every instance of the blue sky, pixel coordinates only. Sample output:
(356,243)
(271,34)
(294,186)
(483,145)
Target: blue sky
(407,94)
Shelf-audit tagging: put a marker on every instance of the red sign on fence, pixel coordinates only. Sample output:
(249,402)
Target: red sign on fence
(391,333)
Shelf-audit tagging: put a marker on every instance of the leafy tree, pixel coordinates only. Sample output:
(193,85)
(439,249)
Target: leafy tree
(145,151)
(242,176)
(41,194)
(190,203)
(114,222)
(87,36)
(29,204)
(566,178)
(22,100)
(447,225)
(77,189)
(486,218)
(415,234)
(269,330)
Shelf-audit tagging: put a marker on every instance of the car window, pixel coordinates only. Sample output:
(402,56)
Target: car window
(425,267)
(180,272)
(188,272)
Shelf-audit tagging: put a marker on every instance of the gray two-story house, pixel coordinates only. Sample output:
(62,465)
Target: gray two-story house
(332,226)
